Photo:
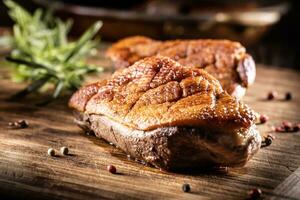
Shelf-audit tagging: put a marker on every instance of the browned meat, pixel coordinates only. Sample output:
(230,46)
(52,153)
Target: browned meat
(225,60)
(168,115)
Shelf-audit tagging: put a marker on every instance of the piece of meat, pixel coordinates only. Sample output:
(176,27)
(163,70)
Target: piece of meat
(225,60)
(168,115)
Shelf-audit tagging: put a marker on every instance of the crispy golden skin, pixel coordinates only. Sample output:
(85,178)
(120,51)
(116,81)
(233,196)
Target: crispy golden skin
(157,92)
(225,60)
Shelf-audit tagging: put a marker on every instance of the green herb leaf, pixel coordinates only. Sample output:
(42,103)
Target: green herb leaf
(84,39)
(41,49)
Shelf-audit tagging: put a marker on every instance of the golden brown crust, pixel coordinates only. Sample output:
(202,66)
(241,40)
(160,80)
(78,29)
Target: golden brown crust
(82,96)
(225,60)
(159,92)
(125,55)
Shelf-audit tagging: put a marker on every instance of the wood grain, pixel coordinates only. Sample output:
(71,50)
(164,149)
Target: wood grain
(289,188)
(27,172)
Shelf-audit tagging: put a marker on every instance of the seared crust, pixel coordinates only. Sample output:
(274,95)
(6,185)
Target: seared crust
(224,59)
(82,96)
(158,91)
(169,115)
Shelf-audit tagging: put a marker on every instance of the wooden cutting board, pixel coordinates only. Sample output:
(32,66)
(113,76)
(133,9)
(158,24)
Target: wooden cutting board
(27,172)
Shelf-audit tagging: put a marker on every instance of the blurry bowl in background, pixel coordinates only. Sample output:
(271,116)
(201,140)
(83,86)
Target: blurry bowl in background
(163,19)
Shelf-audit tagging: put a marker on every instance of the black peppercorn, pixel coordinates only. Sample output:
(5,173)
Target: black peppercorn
(51,152)
(255,193)
(296,127)
(64,150)
(268,141)
(288,96)
(23,123)
(186,187)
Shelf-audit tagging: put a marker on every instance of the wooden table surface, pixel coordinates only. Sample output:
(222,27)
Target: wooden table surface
(27,172)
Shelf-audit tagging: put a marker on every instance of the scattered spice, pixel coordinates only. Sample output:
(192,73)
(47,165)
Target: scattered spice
(267,140)
(287,126)
(19,124)
(186,187)
(296,127)
(23,123)
(112,169)
(279,129)
(272,95)
(288,96)
(255,193)
(263,118)
(64,150)
(51,152)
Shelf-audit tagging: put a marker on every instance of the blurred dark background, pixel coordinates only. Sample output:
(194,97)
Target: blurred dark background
(269,29)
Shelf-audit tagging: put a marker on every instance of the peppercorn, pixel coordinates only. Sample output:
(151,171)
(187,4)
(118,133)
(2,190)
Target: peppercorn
(64,150)
(272,95)
(287,126)
(112,169)
(296,127)
(186,187)
(255,193)
(51,152)
(268,140)
(279,129)
(23,123)
(19,124)
(288,96)
(263,118)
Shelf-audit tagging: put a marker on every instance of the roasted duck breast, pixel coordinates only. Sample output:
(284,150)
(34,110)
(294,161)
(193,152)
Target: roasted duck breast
(225,60)
(168,115)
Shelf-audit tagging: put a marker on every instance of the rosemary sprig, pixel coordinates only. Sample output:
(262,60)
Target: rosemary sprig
(32,87)
(42,54)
